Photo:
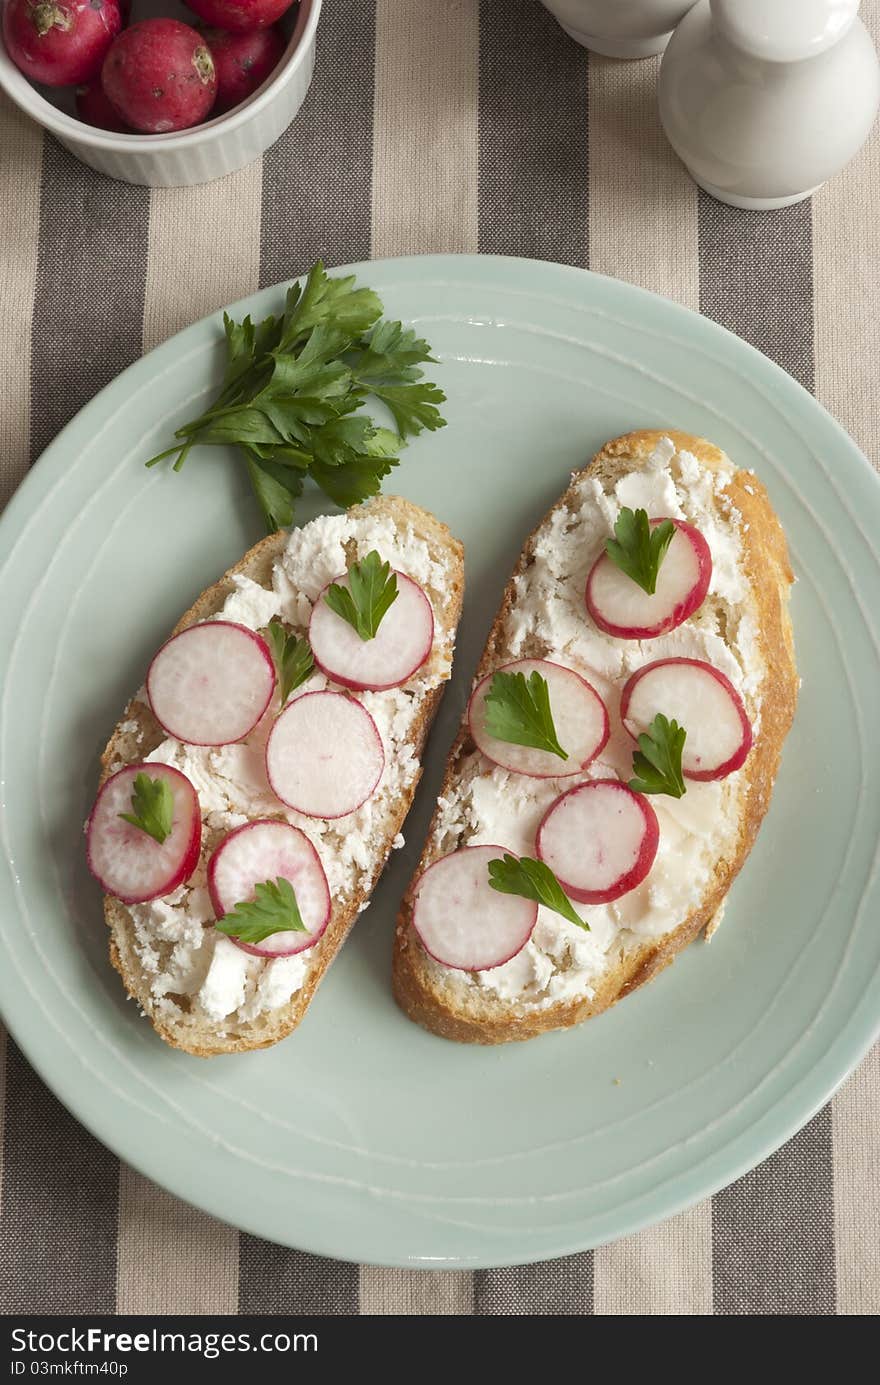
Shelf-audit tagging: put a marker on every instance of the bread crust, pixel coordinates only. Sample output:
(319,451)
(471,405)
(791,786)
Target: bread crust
(127,745)
(474,1016)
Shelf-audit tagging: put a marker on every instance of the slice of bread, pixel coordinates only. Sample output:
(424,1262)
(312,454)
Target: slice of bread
(565,975)
(179,1018)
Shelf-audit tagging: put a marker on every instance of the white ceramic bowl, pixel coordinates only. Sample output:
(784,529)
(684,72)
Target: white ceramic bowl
(198,155)
(620,28)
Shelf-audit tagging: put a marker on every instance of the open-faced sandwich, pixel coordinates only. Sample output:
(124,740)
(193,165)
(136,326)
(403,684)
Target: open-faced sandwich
(254,788)
(618,752)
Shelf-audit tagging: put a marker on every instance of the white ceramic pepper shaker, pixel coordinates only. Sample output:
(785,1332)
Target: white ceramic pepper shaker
(763,100)
(620,28)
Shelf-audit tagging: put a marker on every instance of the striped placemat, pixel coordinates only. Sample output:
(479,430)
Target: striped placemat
(450,126)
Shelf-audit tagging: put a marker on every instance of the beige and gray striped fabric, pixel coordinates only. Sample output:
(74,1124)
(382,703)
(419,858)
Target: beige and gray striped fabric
(454,125)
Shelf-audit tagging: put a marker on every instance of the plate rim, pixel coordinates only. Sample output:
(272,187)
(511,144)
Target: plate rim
(851,1042)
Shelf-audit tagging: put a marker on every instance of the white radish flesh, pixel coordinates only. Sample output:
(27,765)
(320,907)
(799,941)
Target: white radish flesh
(579,718)
(399,647)
(600,840)
(324,756)
(211,684)
(128,862)
(268,850)
(461,921)
(702,700)
(620,607)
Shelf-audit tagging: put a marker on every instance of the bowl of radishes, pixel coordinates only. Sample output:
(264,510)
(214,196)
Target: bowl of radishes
(162,93)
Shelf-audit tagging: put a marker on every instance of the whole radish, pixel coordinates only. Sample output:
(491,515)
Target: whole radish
(239,15)
(93,106)
(242,62)
(159,76)
(60,42)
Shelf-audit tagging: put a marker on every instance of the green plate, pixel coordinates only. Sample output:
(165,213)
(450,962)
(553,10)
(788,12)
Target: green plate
(361,1136)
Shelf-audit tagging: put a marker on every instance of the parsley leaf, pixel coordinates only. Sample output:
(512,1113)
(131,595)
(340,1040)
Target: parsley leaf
(273,910)
(360,477)
(293,658)
(533,880)
(372,589)
(387,366)
(657,762)
(239,348)
(390,355)
(274,497)
(638,549)
(518,711)
(153,807)
(295,397)
(333,302)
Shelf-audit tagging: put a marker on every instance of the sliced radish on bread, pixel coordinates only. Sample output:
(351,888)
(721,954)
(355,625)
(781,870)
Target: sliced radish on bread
(702,700)
(579,718)
(211,684)
(599,839)
(324,756)
(461,921)
(125,860)
(262,851)
(620,607)
(399,647)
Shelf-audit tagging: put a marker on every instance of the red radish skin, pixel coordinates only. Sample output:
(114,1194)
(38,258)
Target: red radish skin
(397,650)
(125,860)
(461,921)
(701,699)
(620,607)
(599,839)
(324,755)
(60,42)
(240,16)
(266,850)
(93,107)
(159,76)
(242,62)
(579,716)
(211,684)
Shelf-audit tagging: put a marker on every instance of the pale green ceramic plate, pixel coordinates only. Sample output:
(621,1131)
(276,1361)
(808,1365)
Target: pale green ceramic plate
(361,1136)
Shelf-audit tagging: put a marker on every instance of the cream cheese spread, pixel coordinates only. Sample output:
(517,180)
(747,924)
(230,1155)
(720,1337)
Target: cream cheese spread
(176,944)
(548,619)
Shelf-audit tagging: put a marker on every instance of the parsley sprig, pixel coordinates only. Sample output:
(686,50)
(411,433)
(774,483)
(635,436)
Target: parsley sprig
(293,658)
(293,394)
(657,762)
(152,805)
(533,880)
(518,711)
(371,591)
(273,910)
(638,549)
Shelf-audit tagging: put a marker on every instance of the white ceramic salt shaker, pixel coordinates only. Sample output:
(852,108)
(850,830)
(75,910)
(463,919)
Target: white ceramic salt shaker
(620,28)
(763,100)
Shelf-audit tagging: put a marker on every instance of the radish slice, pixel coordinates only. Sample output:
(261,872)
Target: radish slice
(620,607)
(324,756)
(703,701)
(126,861)
(210,684)
(461,921)
(266,850)
(579,717)
(400,646)
(599,839)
